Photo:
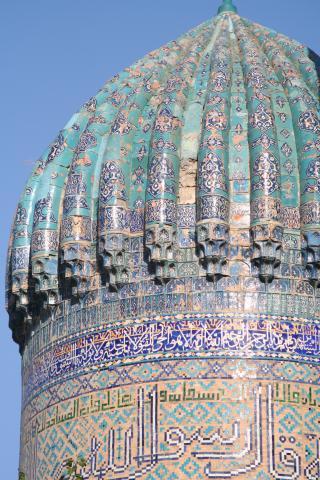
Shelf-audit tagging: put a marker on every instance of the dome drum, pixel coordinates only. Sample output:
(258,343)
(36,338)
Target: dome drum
(164,269)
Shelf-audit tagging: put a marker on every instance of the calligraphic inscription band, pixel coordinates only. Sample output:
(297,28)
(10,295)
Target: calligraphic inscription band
(182,417)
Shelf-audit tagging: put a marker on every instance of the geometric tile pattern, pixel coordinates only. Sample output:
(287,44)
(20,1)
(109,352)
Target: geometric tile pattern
(192,428)
(164,266)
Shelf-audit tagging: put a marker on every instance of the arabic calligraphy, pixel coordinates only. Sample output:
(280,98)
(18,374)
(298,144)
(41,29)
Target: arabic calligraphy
(144,444)
(289,467)
(110,400)
(285,393)
(230,429)
(201,336)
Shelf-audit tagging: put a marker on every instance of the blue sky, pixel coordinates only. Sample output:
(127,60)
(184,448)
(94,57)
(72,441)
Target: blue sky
(54,56)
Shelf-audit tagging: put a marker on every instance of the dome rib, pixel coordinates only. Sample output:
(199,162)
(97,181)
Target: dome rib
(261,85)
(213,200)
(239,166)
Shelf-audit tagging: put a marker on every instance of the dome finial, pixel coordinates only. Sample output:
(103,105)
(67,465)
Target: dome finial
(227,6)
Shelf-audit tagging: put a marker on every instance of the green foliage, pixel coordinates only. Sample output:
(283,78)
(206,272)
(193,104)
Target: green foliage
(72,469)
(22,476)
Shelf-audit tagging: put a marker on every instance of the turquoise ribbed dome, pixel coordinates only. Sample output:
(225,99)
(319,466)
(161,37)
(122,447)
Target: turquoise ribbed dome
(208,145)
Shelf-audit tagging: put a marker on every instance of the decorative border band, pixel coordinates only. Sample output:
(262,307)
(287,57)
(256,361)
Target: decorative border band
(184,336)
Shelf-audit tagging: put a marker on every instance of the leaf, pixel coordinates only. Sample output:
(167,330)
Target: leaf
(82,462)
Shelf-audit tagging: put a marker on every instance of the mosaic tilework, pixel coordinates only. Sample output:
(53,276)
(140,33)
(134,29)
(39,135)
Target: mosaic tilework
(177,337)
(164,269)
(192,419)
(200,160)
